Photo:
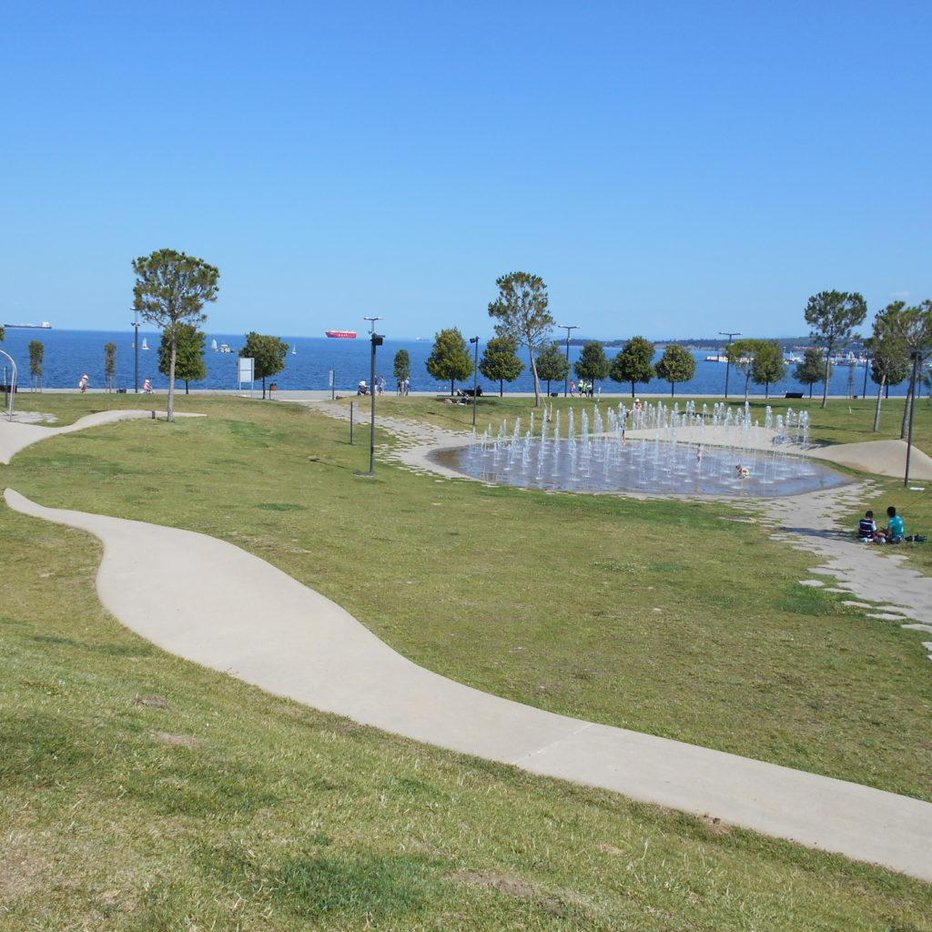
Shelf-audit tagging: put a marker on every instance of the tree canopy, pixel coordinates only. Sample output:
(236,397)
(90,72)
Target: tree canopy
(552,364)
(189,360)
(268,352)
(402,365)
(635,362)
(172,288)
(110,351)
(676,365)
(36,357)
(499,361)
(450,359)
(740,354)
(768,365)
(832,317)
(521,312)
(811,368)
(593,364)
(909,328)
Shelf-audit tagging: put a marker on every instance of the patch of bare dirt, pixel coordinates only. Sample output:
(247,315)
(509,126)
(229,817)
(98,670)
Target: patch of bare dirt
(152,702)
(179,741)
(556,903)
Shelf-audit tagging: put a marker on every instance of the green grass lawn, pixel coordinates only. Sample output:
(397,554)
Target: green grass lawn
(660,616)
(140,792)
(665,617)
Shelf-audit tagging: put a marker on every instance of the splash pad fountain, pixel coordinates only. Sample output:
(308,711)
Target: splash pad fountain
(655,448)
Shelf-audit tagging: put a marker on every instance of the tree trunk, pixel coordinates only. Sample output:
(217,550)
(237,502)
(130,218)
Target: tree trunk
(632,389)
(828,363)
(672,389)
(536,379)
(548,388)
(906,407)
(451,387)
(371,388)
(170,410)
(187,387)
(877,409)
(810,391)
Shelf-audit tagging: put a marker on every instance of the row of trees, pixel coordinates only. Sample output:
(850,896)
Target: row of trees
(171,290)
(900,342)
(450,360)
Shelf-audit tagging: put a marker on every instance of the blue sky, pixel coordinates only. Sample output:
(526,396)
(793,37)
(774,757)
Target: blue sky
(670,169)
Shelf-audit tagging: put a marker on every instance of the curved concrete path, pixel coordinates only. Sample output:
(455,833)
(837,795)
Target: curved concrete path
(210,602)
(16,436)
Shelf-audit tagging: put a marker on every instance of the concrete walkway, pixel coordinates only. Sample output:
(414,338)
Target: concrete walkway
(210,602)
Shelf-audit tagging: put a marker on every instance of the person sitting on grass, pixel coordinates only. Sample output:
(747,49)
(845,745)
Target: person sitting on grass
(896,530)
(867,526)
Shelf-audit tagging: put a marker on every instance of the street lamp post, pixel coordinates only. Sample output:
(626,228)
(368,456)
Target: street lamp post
(376,340)
(475,376)
(731,335)
(568,329)
(136,351)
(917,358)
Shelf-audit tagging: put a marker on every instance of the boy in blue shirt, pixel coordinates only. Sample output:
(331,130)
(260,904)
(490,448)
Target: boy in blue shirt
(896,530)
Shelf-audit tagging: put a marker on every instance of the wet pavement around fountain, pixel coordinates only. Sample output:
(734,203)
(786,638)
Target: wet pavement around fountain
(655,449)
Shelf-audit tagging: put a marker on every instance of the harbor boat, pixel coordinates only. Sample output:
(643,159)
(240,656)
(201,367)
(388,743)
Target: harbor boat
(341,334)
(719,357)
(45,325)
(225,348)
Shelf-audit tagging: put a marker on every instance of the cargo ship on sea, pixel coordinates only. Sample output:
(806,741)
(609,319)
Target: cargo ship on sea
(341,334)
(45,325)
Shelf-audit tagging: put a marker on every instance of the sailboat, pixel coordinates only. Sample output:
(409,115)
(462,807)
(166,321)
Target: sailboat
(294,351)
(213,345)
(145,343)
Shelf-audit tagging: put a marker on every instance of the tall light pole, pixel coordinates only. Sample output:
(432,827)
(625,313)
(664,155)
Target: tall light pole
(917,359)
(136,351)
(376,340)
(731,335)
(568,328)
(475,376)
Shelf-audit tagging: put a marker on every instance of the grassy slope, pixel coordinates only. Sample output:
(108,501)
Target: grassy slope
(657,616)
(139,792)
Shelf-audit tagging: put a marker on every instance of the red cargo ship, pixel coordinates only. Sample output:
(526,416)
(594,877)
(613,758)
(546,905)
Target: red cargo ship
(341,334)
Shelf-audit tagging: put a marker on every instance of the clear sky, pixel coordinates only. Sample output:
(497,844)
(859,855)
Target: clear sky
(669,168)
